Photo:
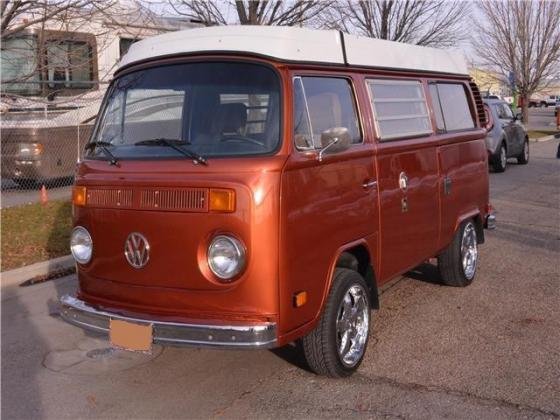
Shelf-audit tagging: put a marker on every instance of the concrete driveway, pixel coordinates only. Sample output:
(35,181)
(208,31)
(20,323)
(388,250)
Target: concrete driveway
(491,350)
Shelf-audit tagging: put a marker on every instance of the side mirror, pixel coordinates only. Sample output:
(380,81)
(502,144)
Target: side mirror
(518,117)
(334,140)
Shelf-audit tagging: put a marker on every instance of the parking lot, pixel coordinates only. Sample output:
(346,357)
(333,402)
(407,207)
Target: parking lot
(491,350)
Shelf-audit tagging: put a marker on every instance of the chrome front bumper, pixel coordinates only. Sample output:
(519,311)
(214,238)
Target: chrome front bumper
(81,314)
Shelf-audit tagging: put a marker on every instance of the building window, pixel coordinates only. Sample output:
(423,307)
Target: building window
(69,64)
(322,103)
(125,43)
(19,66)
(450,99)
(399,108)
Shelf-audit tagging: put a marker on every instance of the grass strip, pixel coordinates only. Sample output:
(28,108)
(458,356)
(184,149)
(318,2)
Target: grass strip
(534,134)
(33,233)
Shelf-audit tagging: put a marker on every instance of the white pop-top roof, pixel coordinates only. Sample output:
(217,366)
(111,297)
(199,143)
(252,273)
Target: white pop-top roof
(300,45)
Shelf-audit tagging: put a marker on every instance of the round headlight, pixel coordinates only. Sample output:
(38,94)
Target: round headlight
(226,256)
(81,245)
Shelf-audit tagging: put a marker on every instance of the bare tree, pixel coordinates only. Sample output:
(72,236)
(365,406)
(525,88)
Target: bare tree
(431,23)
(18,15)
(68,57)
(521,38)
(249,12)
(19,49)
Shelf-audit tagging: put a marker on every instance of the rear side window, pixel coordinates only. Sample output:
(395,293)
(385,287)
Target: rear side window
(440,124)
(504,112)
(450,100)
(321,103)
(399,108)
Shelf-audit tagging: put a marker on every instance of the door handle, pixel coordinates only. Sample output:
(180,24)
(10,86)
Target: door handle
(369,184)
(403,181)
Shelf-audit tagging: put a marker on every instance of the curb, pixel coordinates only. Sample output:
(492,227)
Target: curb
(43,268)
(545,138)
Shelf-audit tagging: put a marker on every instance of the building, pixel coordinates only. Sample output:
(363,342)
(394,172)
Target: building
(489,82)
(71,61)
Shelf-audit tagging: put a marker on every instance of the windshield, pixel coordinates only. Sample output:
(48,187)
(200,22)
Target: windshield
(210,109)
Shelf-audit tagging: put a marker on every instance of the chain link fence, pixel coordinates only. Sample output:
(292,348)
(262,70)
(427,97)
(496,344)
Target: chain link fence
(41,142)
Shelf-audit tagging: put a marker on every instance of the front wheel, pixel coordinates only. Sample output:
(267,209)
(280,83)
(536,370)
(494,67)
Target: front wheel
(523,157)
(337,345)
(457,264)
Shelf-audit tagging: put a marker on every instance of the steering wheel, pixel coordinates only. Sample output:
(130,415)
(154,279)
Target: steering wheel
(240,138)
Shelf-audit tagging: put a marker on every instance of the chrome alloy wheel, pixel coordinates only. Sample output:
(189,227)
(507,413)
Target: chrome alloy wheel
(469,251)
(503,157)
(352,325)
(526,151)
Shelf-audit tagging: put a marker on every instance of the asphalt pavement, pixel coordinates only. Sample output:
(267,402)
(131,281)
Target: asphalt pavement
(490,350)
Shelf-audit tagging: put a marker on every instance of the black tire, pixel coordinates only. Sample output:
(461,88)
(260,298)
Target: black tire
(498,162)
(320,346)
(523,158)
(450,261)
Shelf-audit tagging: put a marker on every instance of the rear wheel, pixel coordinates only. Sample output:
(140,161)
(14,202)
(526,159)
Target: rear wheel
(337,345)
(500,160)
(523,157)
(458,263)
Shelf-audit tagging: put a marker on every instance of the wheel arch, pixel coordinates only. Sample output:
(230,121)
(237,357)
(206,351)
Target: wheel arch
(357,257)
(478,223)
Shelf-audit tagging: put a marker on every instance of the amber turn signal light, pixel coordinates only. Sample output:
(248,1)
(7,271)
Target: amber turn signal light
(79,195)
(222,200)
(300,299)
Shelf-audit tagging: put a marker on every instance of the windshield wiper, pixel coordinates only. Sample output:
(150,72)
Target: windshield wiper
(174,144)
(103,147)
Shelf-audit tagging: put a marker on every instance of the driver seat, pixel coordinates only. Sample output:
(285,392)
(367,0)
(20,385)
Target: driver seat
(231,118)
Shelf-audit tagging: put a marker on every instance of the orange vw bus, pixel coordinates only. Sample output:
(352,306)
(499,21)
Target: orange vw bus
(246,187)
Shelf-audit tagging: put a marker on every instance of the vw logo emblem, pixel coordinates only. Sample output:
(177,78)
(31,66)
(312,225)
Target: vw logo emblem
(137,250)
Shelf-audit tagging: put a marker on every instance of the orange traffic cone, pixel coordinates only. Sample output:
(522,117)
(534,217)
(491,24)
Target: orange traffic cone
(44,197)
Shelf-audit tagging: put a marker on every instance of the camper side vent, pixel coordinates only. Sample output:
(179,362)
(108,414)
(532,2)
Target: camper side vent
(479,104)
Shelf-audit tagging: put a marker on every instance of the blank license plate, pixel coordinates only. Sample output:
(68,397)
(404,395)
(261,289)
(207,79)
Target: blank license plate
(130,336)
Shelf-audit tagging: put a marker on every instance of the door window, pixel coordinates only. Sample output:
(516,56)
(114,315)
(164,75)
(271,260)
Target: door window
(302,127)
(399,108)
(321,103)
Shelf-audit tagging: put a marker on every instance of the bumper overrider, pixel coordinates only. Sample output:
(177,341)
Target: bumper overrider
(490,222)
(79,313)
